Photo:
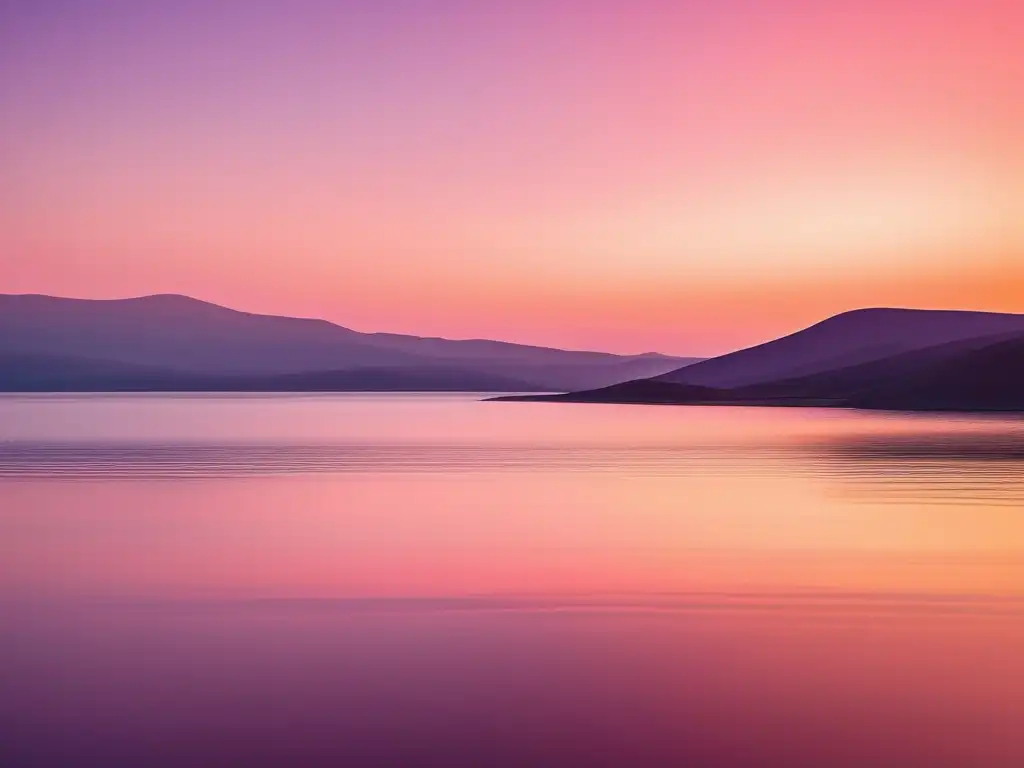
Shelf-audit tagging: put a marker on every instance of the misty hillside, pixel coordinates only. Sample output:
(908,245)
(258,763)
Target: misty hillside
(180,335)
(51,373)
(21,372)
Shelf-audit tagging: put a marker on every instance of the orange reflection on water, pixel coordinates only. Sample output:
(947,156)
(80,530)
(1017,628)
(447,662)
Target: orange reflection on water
(443,496)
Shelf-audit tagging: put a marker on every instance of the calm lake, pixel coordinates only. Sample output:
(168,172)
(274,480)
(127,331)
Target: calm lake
(431,580)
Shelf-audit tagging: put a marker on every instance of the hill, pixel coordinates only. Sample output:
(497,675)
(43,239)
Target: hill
(50,373)
(971,374)
(642,392)
(989,378)
(842,341)
(192,338)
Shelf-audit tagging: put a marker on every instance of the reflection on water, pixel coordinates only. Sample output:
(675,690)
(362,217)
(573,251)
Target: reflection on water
(983,467)
(418,580)
(125,460)
(1000,446)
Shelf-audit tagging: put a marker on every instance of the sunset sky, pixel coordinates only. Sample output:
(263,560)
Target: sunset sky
(682,175)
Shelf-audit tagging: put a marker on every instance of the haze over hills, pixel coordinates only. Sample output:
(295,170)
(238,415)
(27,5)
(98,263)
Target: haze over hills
(875,358)
(173,342)
(50,373)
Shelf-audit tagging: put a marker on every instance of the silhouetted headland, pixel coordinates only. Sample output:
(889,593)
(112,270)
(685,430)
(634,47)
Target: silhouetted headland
(893,359)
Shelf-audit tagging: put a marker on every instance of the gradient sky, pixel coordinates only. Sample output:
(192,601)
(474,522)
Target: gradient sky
(681,175)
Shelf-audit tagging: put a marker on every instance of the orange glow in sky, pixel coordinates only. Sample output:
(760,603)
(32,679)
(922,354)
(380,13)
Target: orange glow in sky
(681,176)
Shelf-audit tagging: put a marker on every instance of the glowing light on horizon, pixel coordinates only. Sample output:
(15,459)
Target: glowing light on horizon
(881,221)
(627,175)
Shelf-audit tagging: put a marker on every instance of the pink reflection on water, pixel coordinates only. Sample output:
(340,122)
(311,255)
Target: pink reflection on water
(403,581)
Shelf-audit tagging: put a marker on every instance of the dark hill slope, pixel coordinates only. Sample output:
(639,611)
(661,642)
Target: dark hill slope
(987,379)
(644,391)
(843,341)
(983,374)
(842,384)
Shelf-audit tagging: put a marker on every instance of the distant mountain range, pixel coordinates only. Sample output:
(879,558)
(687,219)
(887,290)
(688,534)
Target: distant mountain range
(899,359)
(177,343)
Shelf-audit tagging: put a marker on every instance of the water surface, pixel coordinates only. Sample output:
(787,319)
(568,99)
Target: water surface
(430,579)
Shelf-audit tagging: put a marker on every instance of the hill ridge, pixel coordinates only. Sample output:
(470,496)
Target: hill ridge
(189,335)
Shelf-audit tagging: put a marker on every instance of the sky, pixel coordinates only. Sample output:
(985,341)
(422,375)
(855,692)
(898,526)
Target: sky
(688,176)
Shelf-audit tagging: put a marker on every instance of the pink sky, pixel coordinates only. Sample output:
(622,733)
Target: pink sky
(652,174)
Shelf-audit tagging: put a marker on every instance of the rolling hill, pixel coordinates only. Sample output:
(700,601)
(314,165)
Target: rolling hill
(842,341)
(175,341)
(988,378)
(50,373)
(971,373)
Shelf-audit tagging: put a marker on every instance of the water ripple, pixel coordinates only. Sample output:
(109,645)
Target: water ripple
(942,468)
(109,460)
